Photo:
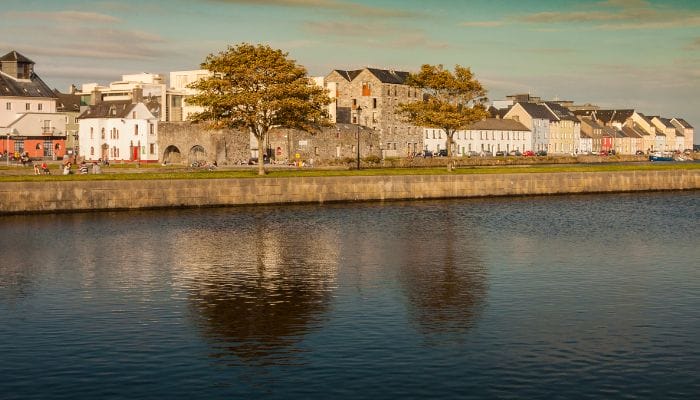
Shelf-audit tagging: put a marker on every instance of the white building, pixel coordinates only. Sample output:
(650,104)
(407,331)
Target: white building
(153,90)
(536,118)
(118,131)
(488,136)
(178,109)
(28,118)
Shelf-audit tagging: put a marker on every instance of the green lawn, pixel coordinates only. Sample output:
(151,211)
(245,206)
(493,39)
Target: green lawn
(165,173)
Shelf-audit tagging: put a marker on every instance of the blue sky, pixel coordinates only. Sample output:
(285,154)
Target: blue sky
(642,54)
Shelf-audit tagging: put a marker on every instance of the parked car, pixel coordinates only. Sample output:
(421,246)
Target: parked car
(541,153)
(603,153)
(515,153)
(639,153)
(442,153)
(529,153)
(426,153)
(472,153)
(500,153)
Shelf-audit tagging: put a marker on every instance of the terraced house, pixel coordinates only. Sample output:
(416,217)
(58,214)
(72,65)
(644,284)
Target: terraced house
(370,97)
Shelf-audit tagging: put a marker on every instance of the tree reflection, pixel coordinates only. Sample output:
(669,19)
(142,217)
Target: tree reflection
(444,280)
(277,289)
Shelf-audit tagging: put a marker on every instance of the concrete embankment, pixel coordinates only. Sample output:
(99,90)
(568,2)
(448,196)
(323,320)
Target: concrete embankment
(65,196)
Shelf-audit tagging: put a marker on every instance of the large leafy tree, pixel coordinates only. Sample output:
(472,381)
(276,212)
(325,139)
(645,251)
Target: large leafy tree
(451,101)
(256,87)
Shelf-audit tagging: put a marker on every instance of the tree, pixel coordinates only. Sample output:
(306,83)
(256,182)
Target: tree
(258,88)
(451,101)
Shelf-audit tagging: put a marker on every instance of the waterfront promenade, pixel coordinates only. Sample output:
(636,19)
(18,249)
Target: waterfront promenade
(86,193)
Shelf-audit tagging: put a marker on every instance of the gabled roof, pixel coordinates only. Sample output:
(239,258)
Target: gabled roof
(384,75)
(561,112)
(499,112)
(497,124)
(645,118)
(15,56)
(538,111)
(682,123)
(609,116)
(665,122)
(591,122)
(109,109)
(32,87)
(348,75)
(389,76)
(631,132)
(67,102)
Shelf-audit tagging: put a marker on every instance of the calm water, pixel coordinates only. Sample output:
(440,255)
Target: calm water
(548,297)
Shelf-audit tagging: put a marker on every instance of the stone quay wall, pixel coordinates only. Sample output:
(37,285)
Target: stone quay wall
(68,196)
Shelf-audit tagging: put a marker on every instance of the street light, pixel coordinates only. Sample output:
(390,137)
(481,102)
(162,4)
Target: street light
(7,150)
(358,110)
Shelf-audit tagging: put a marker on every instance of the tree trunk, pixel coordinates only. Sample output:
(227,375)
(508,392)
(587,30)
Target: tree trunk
(449,150)
(261,157)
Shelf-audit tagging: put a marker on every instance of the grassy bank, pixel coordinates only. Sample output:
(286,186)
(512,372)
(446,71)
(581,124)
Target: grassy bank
(165,173)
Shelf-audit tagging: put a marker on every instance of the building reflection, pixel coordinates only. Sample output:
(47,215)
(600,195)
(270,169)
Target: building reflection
(276,289)
(444,279)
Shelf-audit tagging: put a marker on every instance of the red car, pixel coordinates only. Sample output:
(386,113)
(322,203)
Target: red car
(528,153)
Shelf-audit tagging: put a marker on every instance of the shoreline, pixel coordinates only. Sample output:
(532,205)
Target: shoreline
(110,195)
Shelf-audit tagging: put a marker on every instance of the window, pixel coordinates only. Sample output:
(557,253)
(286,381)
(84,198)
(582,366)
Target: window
(136,130)
(366,90)
(133,114)
(152,129)
(40,106)
(19,146)
(92,151)
(103,133)
(152,148)
(27,106)
(8,106)
(48,148)
(91,132)
(374,103)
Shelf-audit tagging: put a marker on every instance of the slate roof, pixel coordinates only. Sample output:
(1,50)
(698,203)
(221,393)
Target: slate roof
(631,132)
(499,112)
(666,122)
(645,118)
(384,75)
(348,75)
(608,116)
(15,56)
(591,122)
(32,87)
(109,109)
(496,124)
(683,123)
(538,111)
(561,112)
(67,102)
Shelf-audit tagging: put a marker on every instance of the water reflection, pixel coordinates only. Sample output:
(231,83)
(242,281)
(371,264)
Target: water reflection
(445,280)
(272,288)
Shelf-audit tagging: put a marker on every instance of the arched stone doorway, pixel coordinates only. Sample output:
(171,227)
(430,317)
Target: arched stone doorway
(172,155)
(196,154)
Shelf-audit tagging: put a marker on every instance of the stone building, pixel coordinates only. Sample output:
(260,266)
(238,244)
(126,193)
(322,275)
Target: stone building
(370,97)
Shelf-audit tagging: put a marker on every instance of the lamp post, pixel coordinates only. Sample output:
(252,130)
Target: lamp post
(358,110)
(7,150)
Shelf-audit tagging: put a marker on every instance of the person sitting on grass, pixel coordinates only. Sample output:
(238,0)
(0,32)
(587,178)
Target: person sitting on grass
(45,169)
(36,169)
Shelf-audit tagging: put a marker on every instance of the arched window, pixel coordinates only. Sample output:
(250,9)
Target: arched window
(92,151)
(38,146)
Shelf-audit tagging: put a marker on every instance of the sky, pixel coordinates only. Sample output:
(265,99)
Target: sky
(641,54)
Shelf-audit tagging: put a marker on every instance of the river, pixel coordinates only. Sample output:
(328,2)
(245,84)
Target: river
(590,296)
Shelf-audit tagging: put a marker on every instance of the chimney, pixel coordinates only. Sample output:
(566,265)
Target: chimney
(137,95)
(72,89)
(95,97)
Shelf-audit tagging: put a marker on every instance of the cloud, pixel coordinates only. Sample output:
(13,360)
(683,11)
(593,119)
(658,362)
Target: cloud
(607,15)
(329,5)
(383,35)
(693,45)
(81,35)
(620,15)
(482,24)
(62,16)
